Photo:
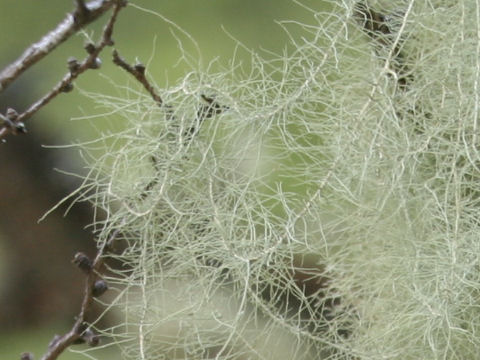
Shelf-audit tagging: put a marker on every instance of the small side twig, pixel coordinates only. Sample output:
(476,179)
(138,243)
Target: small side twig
(75,69)
(138,72)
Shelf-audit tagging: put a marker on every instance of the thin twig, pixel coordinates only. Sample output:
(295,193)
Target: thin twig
(70,25)
(66,84)
(60,343)
(94,284)
(138,72)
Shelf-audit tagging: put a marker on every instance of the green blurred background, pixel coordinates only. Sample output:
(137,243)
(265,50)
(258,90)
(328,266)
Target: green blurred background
(40,291)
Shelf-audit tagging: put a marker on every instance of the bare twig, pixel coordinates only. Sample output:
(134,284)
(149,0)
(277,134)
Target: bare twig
(138,71)
(66,84)
(81,16)
(94,284)
(79,332)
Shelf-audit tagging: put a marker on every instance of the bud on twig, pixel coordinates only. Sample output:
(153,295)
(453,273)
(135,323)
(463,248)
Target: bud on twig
(91,338)
(17,127)
(140,68)
(72,64)
(67,87)
(80,331)
(20,128)
(12,114)
(96,64)
(26,356)
(99,288)
(83,262)
(90,47)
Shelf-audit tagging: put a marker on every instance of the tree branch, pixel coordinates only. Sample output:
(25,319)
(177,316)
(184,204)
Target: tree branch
(79,332)
(138,72)
(15,125)
(74,21)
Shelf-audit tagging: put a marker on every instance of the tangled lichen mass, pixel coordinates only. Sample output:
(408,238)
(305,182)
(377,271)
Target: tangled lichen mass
(322,205)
